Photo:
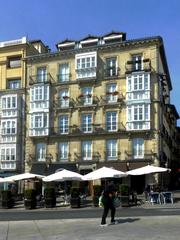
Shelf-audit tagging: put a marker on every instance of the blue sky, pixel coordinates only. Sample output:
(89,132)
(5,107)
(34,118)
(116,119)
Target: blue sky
(55,20)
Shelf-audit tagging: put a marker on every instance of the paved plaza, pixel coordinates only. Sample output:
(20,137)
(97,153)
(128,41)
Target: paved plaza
(136,228)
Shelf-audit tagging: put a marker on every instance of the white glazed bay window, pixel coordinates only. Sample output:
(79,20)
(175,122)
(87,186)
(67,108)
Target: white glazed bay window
(138,86)
(39,97)
(138,117)
(9,105)
(39,123)
(86,64)
(8,127)
(8,156)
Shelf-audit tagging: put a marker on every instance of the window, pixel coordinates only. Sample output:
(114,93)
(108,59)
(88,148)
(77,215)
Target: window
(86,122)
(14,62)
(111,121)
(9,102)
(64,124)
(111,149)
(14,84)
(41,74)
(39,97)
(39,120)
(64,98)
(138,116)
(8,153)
(8,127)
(138,86)
(111,93)
(86,64)
(63,151)
(87,95)
(41,151)
(64,72)
(111,67)
(138,148)
(87,150)
(137,62)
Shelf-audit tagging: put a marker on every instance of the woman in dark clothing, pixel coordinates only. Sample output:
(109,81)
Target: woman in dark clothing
(108,198)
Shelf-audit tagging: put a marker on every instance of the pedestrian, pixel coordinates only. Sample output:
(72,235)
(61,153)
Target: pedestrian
(107,200)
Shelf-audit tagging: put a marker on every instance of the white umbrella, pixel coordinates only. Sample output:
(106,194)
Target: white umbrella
(104,172)
(63,175)
(3,180)
(23,176)
(147,170)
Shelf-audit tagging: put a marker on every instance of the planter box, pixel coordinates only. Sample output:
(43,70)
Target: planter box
(50,202)
(75,202)
(30,203)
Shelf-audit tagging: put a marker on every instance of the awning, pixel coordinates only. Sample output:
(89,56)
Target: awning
(43,169)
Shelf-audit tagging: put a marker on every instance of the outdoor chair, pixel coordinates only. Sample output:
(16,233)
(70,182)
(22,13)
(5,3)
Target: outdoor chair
(154,198)
(167,197)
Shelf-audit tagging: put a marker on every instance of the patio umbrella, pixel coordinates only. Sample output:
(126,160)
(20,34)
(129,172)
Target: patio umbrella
(63,175)
(147,170)
(3,180)
(23,176)
(104,172)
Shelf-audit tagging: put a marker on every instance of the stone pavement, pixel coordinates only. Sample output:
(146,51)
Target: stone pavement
(135,228)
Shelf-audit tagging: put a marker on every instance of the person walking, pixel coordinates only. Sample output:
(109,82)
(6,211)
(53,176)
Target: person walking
(107,200)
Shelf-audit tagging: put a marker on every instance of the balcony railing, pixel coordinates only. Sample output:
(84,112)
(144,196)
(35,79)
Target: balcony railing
(144,156)
(140,65)
(60,157)
(112,98)
(34,158)
(87,100)
(63,78)
(93,157)
(112,155)
(87,129)
(45,78)
(111,72)
(64,102)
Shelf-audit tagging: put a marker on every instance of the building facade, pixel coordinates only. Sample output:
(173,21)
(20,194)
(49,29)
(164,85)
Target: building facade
(12,104)
(100,101)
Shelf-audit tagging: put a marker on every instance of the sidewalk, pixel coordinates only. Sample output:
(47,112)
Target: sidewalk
(151,228)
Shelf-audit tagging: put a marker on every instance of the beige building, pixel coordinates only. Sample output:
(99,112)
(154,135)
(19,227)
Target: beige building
(100,101)
(12,103)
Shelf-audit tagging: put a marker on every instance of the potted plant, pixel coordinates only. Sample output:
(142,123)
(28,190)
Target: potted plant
(124,195)
(30,201)
(65,97)
(50,197)
(115,93)
(6,199)
(81,95)
(97,193)
(75,197)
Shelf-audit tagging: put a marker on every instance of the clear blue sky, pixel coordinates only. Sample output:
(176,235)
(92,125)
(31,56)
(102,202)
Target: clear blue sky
(55,20)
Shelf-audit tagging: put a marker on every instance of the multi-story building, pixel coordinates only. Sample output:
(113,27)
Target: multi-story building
(100,101)
(12,103)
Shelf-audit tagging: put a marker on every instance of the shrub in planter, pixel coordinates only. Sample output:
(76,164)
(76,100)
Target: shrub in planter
(30,201)
(50,197)
(75,197)
(97,193)
(7,200)
(124,194)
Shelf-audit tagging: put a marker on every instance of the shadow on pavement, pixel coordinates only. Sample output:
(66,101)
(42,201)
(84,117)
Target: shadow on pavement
(126,220)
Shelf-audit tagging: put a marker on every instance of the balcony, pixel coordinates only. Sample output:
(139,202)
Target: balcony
(37,79)
(89,129)
(93,158)
(112,155)
(111,72)
(64,103)
(63,78)
(60,157)
(137,66)
(86,75)
(146,156)
(33,158)
(87,100)
(112,98)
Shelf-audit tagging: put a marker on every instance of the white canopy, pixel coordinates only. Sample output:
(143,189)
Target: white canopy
(3,180)
(147,170)
(104,172)
(23,176)
(63,175)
